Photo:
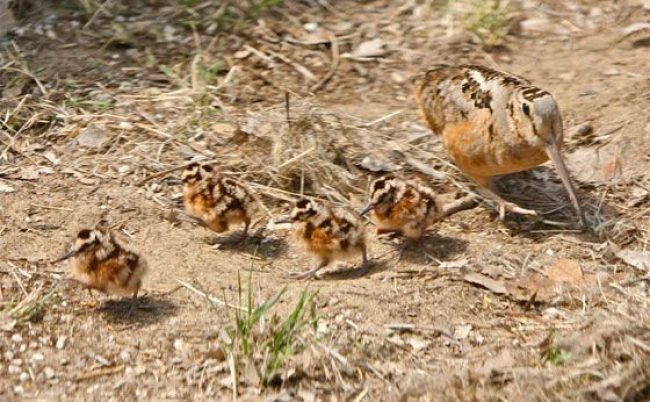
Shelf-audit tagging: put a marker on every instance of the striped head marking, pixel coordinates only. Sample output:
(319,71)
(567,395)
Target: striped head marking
(386,190)
(87,239)
(191,174)
(304,209)
(535,115)
(196,172)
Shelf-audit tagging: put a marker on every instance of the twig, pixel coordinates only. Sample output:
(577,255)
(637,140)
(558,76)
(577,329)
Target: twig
(309,76)
(333,66)
(379,120)
(92,18)
(297,157)
(461,204)
(207,296)
(98,373)
(361,395)
(287,109)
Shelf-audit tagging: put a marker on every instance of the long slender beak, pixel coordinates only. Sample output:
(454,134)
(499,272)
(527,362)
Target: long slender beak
(367,209)
(67,255)
(553,152)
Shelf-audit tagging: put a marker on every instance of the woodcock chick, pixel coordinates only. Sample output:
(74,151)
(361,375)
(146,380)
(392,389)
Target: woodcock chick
(217,201)
(493,123)
(99,261)
(403,207)
(327,233)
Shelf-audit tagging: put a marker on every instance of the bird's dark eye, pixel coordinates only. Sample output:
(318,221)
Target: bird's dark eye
(525,108)
(379,184)
(302,203)
(84,234)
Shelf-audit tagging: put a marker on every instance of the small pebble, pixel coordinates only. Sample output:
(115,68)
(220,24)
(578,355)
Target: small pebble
(24,376)
(60,343)
(49,372)
(16,338)
(38,357)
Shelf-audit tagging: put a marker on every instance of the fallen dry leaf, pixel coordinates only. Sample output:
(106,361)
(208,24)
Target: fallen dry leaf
(494,365)
(5,188)
(636,259)
(375,164)
(91,137)
(565,270)
(497,287)
(372,48)
(636,27)
(525,287)
(462,331)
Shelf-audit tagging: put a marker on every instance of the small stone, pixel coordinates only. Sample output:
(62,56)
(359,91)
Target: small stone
(179,345)
(24,376)
(13,369)
(92,137)
(462,331)
(16,338)
(60,343)
(9,355)
(38,357)
(310,26)
(125,125)
(49,372)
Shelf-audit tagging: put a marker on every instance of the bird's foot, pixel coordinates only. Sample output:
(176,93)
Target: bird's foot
(306,275)
(514,208)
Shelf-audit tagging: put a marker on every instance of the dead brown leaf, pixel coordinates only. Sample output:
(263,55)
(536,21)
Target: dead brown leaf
(497,287)
(494,365)
(565,270)
(524,288)
(636,259)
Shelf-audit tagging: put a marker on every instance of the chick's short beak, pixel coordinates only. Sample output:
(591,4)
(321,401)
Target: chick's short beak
(367,209)
(67,255)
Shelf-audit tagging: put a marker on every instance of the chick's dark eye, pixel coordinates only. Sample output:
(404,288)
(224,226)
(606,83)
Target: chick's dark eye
(84,234)
(526,109)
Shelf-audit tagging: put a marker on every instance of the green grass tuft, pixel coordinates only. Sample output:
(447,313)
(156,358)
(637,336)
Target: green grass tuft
(269,344)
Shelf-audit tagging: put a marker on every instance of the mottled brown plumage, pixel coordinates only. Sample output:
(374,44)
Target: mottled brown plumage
(328,233)
(218,201)
(493,123)
(99,261)
(404,207)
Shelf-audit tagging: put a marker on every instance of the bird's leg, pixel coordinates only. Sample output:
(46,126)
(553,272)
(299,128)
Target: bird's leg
(363,269)
(244,235)
(311,273)
(134,302)
(402,247)
(486,187)
(93,300)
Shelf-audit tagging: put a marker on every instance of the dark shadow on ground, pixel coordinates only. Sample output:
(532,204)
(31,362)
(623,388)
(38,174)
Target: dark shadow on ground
(148,309)
(261,246)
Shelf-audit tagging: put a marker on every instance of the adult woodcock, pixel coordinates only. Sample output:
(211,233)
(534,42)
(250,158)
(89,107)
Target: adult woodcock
(493,123)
